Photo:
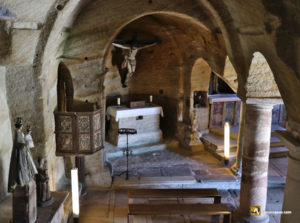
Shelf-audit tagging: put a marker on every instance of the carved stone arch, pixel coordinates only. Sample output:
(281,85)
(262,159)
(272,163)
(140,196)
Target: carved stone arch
(199,84)
(260,81)
(230,75)
(65,89)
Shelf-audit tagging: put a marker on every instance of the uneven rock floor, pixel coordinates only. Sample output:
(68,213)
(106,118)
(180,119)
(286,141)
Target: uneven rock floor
(175,163)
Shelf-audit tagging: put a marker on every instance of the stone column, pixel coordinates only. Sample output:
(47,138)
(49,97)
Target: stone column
(236,167)
(254,181)
(291,200)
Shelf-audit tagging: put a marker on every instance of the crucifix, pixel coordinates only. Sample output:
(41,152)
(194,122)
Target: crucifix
(129,50)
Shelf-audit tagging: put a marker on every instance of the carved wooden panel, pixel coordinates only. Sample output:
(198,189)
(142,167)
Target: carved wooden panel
(78,133)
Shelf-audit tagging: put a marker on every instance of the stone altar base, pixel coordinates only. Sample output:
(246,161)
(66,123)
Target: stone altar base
(140,139)
(24,204)
(146,120)
(148,131)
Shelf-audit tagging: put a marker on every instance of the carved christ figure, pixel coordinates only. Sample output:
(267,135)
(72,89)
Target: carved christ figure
(129,63)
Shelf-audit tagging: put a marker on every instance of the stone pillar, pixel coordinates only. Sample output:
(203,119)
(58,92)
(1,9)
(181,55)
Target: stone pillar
(291,200)
(237,166)
(24,203)
(254,181)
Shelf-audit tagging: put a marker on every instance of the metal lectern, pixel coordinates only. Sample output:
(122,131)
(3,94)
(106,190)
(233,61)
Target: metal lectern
(127,131)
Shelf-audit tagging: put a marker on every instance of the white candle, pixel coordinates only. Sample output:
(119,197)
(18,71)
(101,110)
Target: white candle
(226,140)
(119,101)
(151,98)
(75,192)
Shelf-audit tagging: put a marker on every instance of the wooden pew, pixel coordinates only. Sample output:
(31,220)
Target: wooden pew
(178,209)
(174,193)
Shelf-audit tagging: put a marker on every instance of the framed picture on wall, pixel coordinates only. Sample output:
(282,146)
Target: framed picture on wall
(200,99)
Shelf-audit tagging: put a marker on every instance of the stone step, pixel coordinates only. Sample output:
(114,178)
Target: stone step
(276,127)
(220,154)
(215,142)
(275,142)
(220,131)
(153,182)
(218,175)
(276,152)
(234,132)
(276,181)
(137,150)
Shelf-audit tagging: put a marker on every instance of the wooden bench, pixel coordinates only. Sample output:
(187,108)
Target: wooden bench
(178,209)
(215,209)
(174,193)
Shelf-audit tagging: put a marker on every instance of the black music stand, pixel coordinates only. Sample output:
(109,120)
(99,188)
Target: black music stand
(127,131)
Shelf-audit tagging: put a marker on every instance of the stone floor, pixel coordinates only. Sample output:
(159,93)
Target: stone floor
(175,166)
(171,163)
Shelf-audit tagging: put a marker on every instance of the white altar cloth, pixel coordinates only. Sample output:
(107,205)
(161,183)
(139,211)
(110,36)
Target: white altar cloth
(124,112)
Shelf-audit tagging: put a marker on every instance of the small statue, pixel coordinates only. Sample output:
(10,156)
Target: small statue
(28,137)
(44,197)
(22,168)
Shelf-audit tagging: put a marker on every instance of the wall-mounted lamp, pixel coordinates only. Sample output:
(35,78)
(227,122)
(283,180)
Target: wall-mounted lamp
(226,142)
(119,101)
(75,195)
(151,98)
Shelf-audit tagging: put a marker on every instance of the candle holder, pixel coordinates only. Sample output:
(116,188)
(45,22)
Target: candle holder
(226,162)
(75,195)
(226,143)
(75,219)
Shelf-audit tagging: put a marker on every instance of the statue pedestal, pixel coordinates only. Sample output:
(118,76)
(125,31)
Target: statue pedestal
(24,203)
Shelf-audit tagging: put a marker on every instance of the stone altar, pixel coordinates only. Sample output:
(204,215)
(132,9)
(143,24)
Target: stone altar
(145,120)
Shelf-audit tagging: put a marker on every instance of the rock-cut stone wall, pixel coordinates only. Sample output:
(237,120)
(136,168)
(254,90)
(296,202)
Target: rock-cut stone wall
(6,140)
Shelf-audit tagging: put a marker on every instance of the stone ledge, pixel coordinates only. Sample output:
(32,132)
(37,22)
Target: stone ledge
(289,141)
(26,25)
(51,214)
(264,101)
(137,150)
(55,212)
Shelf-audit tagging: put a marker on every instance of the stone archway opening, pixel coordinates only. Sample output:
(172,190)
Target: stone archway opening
(163,70)
(65,89)
(168,71)
(264,113)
